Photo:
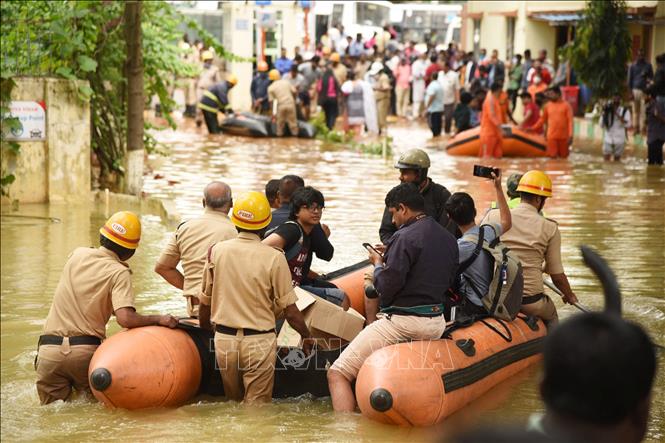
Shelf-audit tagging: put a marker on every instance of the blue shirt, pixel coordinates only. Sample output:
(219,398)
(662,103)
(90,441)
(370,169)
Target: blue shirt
(480,272)
(436,90)
(419,265)
(283,65)
(356,48)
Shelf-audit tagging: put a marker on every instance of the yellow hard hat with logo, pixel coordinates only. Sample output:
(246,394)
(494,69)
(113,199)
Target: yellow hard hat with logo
(251,211)
(274,75)
(206,55)
(232,79)
(535,182)
(123,228)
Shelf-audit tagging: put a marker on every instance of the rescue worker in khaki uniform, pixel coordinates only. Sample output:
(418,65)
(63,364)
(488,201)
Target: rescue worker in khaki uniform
(282,96)
(95,284)
(244,282)
(208,77)
(191,241)
(536,240)
(381,84)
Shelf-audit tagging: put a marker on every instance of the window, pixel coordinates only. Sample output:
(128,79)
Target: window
(510,37)
(338,11)
(371,15)
(476,36)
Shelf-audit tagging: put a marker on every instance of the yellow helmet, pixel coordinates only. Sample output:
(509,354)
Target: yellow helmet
(123,228)
(274,75)
(535,182)
(334,57)
(206,55)
(251,211)
(326,50)
(232,79)
(262,66)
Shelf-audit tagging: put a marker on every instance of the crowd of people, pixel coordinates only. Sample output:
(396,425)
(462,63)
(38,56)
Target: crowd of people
(365,80)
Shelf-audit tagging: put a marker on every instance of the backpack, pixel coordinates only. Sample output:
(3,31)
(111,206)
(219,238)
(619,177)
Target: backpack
(504,297)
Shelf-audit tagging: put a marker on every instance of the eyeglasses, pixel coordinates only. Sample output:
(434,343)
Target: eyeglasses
(313,208)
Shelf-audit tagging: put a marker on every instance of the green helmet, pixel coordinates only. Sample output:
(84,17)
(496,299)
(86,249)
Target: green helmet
(413,159)
(511,185)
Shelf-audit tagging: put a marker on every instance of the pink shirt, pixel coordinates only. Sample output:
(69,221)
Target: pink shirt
(403,76)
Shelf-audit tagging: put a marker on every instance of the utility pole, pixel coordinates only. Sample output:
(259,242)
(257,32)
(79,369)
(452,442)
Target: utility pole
(135,101)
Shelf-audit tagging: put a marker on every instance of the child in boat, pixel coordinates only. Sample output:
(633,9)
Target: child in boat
(294,238)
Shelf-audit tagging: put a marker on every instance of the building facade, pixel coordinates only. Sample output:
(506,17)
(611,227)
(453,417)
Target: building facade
(511,27)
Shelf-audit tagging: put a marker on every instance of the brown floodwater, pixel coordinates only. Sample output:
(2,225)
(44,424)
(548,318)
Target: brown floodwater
(619,209)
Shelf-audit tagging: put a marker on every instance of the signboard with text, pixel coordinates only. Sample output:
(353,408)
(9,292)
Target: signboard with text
(32,116)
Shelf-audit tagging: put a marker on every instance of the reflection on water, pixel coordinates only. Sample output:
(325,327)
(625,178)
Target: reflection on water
(618,209)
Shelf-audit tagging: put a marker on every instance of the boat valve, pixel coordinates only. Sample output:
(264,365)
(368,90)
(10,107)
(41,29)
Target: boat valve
(381,400)
(100,379)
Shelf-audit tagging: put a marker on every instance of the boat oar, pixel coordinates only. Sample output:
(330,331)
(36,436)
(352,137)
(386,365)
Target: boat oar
(579,306)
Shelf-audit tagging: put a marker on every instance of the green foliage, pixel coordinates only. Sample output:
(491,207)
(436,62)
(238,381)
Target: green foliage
(347,138)
(601,50)
(9,123)
(84,40)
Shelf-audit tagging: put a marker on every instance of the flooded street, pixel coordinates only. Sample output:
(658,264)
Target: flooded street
(619,209)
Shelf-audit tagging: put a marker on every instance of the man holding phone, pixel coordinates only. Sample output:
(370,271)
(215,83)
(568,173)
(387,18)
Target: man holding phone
(411,279)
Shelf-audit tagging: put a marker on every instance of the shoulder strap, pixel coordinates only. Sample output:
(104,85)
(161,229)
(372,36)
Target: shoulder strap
(474,255)
(496,240)
(294,250)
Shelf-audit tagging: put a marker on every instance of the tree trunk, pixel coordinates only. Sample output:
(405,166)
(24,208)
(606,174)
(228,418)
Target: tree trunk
(135,101)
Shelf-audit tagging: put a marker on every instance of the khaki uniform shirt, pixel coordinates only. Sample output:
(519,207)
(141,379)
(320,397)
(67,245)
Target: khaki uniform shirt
(243,281)
(190,243)
(340,73)
(93,285)
(380,91)
(535,239)
(281,91)
(207,78)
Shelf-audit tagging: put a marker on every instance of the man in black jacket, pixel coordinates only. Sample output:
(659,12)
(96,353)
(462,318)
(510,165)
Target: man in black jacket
(411,279)
(413,166)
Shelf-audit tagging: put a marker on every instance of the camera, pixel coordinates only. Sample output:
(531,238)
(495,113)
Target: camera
(484,171)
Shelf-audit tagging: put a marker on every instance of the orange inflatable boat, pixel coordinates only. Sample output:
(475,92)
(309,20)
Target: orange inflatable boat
(516,143)
(415,383)
(420,383)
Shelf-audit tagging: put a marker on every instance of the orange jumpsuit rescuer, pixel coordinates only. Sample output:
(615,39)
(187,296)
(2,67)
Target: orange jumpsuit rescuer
(491,139)
(558,115)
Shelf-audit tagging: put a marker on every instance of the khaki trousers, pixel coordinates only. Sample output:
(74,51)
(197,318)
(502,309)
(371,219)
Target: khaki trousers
(61,368)
(402,101)
(544,309)
(287,114)
(247,365)
(386,331)
(382,108)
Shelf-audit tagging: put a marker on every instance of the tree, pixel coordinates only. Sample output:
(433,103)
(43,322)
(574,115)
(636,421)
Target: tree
(134,74)
(601,49)
(87,40)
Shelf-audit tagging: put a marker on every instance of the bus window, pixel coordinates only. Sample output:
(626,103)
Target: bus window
(371,15)
(338,10)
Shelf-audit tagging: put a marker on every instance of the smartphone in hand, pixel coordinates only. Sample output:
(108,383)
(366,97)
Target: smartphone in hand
(484,171)
(371,248)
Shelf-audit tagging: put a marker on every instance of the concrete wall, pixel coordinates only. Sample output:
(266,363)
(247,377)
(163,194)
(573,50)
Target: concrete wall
(57,169)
